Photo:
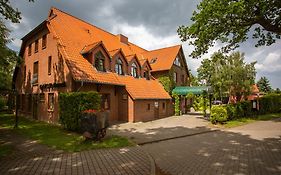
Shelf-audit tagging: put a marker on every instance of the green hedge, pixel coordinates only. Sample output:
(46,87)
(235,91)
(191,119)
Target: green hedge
(218,114)
(72,104)
(270,103)
(267,104)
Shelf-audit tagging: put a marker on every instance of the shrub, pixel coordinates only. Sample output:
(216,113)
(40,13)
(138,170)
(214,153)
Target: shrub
(231,111)
(2,103)
(218,114)
(270,103)
(177,104)
(72,104)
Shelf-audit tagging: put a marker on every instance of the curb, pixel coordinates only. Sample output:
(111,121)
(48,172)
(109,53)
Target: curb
(171,138)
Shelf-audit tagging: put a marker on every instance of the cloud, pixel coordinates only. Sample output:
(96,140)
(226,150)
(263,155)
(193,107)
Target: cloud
(142,37)
(150,24)
(272,63)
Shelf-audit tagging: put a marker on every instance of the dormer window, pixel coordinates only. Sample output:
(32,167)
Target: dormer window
(134,70)
(99,61)
(177,62)
(119,67)
(153,60)
(146,74)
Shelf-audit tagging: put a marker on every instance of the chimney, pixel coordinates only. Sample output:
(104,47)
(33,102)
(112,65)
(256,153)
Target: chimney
(122,38)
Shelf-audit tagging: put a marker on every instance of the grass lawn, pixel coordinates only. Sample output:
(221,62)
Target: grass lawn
(55,137)
(243,121)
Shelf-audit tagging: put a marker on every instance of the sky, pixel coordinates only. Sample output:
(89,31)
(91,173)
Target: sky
(151,24)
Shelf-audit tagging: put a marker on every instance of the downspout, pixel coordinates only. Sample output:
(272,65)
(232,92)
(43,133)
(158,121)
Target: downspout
(82,84)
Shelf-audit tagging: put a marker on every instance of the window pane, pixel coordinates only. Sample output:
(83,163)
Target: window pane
(49,65)
(51,101)
(105,101)
(36,46)
(44,41)
(99,61)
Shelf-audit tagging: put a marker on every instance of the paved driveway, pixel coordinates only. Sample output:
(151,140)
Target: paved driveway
(250,149)
(162,129)
(29,157)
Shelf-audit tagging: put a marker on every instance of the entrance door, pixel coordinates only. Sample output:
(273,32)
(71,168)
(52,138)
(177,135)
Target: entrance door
(35,106)
(156,109)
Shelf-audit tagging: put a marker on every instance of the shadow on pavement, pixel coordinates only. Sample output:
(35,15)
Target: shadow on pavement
(219,152)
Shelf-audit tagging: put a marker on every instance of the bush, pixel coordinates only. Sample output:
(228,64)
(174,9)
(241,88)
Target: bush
(218,114)
(177,104)
(2,103)
(72,104)
(267,104)
(270,103)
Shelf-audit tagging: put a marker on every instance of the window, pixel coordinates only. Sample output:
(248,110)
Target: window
(24,74)
(148,106)
(118,67)
(44,41)
(146,74)
(182,79)
(29,49)
(153,60)
(105,101)
(175,77)
(134,70)
(49,65)
(51,101)
(177,62)
(163,105)
(36,46)
(99,61)
(42,97)
(35,73)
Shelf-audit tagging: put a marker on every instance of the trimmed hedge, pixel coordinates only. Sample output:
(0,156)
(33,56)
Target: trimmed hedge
(72,104)
(218,114)
(270,103)
(267,104)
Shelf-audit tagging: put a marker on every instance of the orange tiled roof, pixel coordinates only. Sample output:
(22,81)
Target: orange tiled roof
(164,57)
(255,89)
(76,36)
(140,88)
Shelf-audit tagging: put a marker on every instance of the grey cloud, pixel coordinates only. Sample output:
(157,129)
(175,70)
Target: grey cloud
(159,17)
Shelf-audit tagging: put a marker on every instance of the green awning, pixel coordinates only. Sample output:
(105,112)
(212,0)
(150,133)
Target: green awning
(196,90)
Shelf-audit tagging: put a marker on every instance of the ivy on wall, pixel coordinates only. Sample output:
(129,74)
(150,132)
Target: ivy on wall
(177,104)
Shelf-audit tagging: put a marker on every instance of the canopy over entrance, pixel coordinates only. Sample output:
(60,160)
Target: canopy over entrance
(196,90)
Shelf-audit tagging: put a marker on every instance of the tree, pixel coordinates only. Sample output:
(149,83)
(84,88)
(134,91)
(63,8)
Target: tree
(8,57)
(264,85)
(229,21)
(227,74)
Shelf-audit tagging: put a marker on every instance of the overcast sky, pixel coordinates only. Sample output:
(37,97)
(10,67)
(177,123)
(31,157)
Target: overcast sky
(150,24)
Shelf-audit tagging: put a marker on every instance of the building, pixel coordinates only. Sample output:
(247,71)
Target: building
(67,54)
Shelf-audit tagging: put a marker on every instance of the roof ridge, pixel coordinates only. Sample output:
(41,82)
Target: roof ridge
(53,7)
(165,47)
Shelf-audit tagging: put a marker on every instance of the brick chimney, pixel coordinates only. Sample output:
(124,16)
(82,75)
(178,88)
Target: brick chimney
(122,38)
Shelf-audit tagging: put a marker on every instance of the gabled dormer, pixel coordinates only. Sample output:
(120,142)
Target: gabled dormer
(145,69)
(119,63)
(134,67)
(98,56)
